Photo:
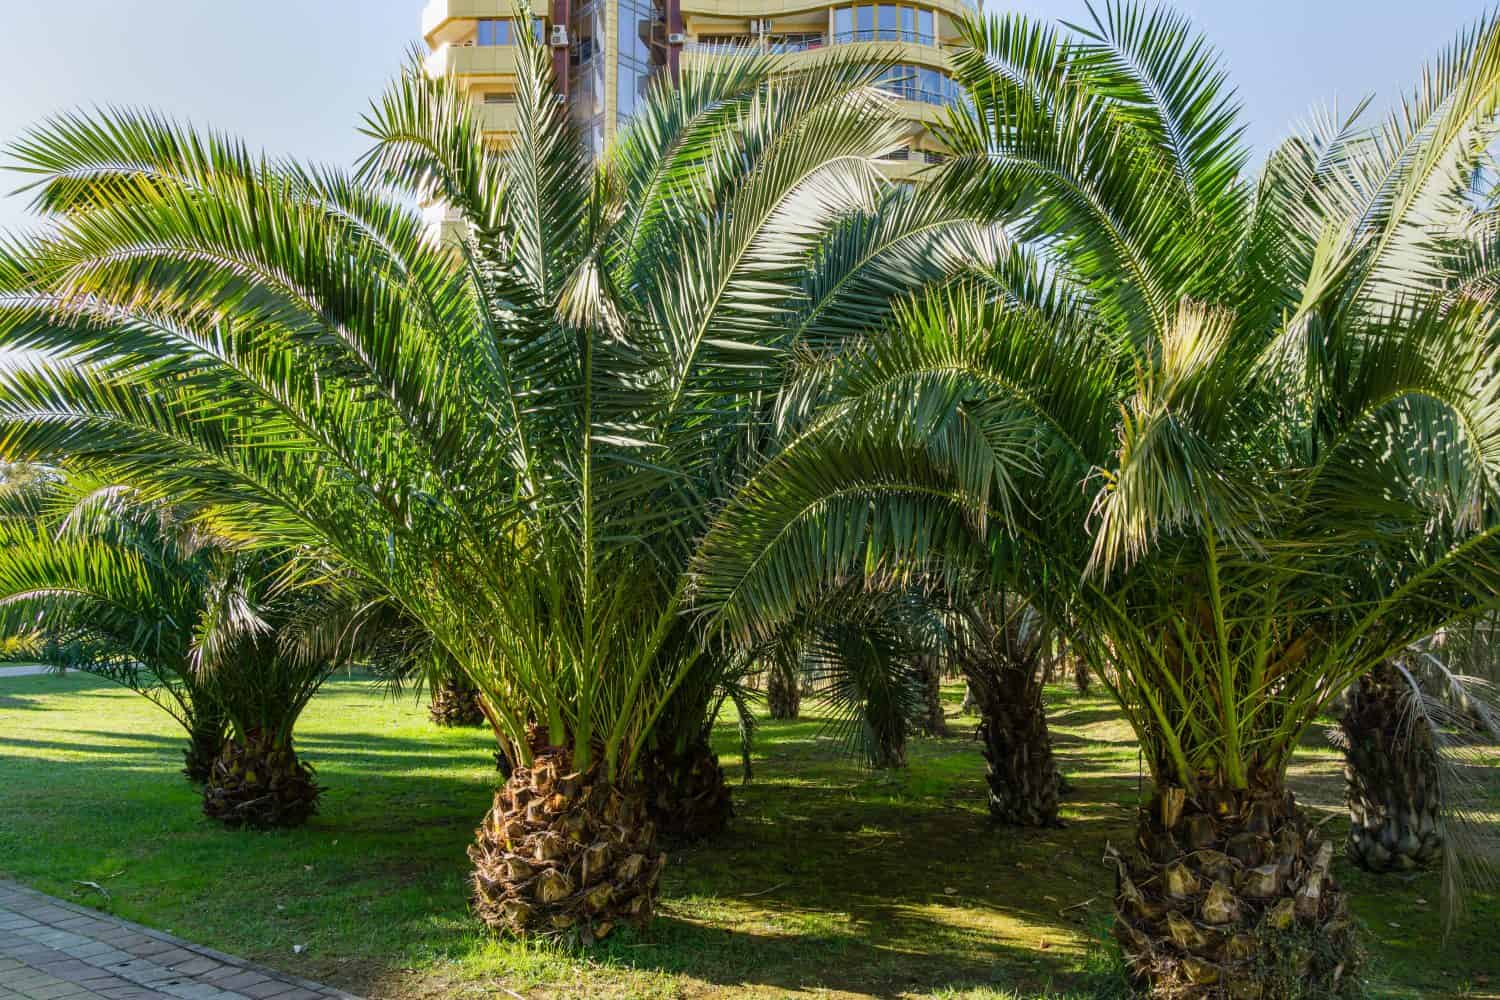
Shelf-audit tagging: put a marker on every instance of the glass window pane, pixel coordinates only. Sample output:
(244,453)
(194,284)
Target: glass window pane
(864,23)
(843,23)
(887,22)
(924,27)
(908,24)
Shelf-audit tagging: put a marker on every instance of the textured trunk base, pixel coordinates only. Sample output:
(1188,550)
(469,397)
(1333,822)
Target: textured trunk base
(1232,896)
(260,785)
(1022,775)
(1020,770)
(206,737)
(565,854)
(1392,769)
(783,698)
(455,703)
(686,794)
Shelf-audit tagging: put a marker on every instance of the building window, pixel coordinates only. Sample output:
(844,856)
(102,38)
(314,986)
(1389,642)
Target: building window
(884,23)
(800,42)
(499,97)
(918,83)
(843,24)
(495,31)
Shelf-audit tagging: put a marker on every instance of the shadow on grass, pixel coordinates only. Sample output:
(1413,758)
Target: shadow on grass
(831,877)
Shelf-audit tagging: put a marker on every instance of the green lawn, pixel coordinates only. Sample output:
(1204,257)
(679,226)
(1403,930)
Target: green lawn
(833,882)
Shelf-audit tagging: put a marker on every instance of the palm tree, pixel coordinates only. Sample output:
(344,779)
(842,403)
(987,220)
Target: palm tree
(221,636)
(1001,647)
(112,591)
(454,701)
(272,629)
(1245,430)
(1415,733)
(517,440)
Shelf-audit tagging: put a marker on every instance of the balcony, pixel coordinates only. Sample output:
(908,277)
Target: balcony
(472,60)
(781,8)
(749,46)
(439,14)
(885,35)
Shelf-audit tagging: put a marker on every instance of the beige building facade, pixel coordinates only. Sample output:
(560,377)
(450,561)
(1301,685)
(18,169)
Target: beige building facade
(606,52)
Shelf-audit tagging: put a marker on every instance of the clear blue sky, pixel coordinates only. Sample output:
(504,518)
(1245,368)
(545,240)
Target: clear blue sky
(293,76)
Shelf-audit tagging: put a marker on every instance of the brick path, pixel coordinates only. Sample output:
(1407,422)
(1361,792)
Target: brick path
(55,950)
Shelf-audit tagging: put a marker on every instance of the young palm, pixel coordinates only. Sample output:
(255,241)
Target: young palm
(516,441)
(143,594)
(1248,432)
(112,591)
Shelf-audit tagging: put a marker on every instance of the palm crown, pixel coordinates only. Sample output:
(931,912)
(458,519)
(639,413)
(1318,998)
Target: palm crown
(517,439)
(1248,431)
(1240,434)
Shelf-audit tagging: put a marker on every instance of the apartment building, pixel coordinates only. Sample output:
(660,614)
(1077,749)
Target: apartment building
(606,52)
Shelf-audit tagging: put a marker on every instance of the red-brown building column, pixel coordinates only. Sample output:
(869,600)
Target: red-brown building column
(674,39)
(561,15)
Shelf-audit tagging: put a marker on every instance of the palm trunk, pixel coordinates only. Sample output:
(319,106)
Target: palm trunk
(934,722)
(1020,769)
(966,706)
(206,731)
(1081,674)
(565,854)
(1229,893)
(783,697)
(1392,770)
(455,703)
(259,782)
(686,793)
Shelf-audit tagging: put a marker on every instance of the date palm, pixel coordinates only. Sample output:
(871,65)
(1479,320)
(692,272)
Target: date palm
(1247,429)
(517,440)
(112,592)
(222,637)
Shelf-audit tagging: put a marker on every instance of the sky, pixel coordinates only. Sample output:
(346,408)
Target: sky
(294,76)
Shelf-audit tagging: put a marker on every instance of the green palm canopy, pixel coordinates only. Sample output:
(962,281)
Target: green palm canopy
(516,440)
(114,590)
(1246,429)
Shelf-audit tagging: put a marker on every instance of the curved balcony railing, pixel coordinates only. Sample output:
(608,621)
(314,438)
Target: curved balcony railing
(922,95)
(752,47)
(884,35)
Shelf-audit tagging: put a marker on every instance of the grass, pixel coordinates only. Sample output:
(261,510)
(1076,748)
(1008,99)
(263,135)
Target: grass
(833,882)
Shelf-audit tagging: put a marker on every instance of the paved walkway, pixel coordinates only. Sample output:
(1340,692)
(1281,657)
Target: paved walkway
(55,950)
(24,671)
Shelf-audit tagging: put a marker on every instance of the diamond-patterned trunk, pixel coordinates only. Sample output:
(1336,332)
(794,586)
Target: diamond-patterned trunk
(686,794)
(1231,894)
(1020,769)
(260,783)
(1394,799)
(565,853)
(206,732)
(783,698)
(455,702)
